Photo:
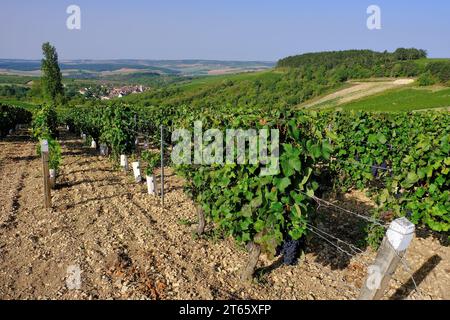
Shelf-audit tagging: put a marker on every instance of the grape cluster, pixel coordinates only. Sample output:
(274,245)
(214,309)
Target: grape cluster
(374,171)
(379,169)
(290,249)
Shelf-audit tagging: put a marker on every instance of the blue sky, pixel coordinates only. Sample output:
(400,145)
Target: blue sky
(219,29)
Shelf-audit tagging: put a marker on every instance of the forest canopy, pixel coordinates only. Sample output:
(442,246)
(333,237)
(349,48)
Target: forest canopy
(363,58)
(357,64)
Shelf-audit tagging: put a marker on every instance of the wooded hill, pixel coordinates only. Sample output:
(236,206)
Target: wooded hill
(357,64)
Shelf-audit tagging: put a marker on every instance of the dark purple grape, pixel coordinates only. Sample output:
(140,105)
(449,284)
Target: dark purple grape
(291,252)
(375,171)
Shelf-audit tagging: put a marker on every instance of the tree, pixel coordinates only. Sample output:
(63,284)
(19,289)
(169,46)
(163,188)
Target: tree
(52,87)
(410,54)
(426,79)
(36,89)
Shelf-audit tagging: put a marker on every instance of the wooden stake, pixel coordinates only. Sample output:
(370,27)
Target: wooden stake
(137,172)
(46,174)
(392,249)
(162,166)
(124,162)
(136,138)
(52,178)
(201,220)
(151,184)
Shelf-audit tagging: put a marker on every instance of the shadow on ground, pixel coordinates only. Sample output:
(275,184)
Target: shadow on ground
(417,278)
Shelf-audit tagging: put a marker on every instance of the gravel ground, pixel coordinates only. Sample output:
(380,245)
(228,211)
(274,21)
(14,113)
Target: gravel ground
(127,247)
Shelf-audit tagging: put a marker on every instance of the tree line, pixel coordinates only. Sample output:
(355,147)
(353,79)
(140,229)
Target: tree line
(351,58)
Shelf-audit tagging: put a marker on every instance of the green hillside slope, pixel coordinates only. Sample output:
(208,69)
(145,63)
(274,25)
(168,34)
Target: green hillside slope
(407,99)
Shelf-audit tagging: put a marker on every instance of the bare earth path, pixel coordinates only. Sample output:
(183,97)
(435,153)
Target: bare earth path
(127,247)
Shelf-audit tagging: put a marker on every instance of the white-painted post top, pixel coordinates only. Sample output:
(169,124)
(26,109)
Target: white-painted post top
(44,146)
(123,160)
(400,233)
(136,165)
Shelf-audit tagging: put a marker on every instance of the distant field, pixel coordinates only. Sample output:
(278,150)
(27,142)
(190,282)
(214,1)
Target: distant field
(90,69)
(405,99)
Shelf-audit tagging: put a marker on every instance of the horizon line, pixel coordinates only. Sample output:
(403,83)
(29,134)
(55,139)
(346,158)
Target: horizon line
(143,59)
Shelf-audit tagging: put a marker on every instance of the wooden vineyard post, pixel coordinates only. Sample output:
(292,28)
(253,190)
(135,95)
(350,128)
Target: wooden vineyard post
(46,174)
(392,249)
(124,162)
(151,184)
(136,140)
(137,171)
(201,220)
(162,166)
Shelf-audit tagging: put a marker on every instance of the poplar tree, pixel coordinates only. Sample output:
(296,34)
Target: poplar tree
(52,87)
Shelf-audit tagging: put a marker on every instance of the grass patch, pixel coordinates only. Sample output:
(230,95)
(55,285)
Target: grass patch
(406,99)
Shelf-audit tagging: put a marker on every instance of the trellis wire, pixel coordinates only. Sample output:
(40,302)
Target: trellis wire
(340,249)
(407,269)
(327,203)
(355,249)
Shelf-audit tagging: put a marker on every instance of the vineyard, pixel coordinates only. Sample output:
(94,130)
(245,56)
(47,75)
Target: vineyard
(10,117)
(348,151)
(291,190)
(400,160)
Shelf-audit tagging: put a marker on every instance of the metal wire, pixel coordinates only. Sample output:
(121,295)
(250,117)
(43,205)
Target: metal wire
(327,203)
(355,249)
(404,263)
(331,243)
(407,269)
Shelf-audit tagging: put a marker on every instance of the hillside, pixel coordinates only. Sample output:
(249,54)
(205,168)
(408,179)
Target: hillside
(275,89)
